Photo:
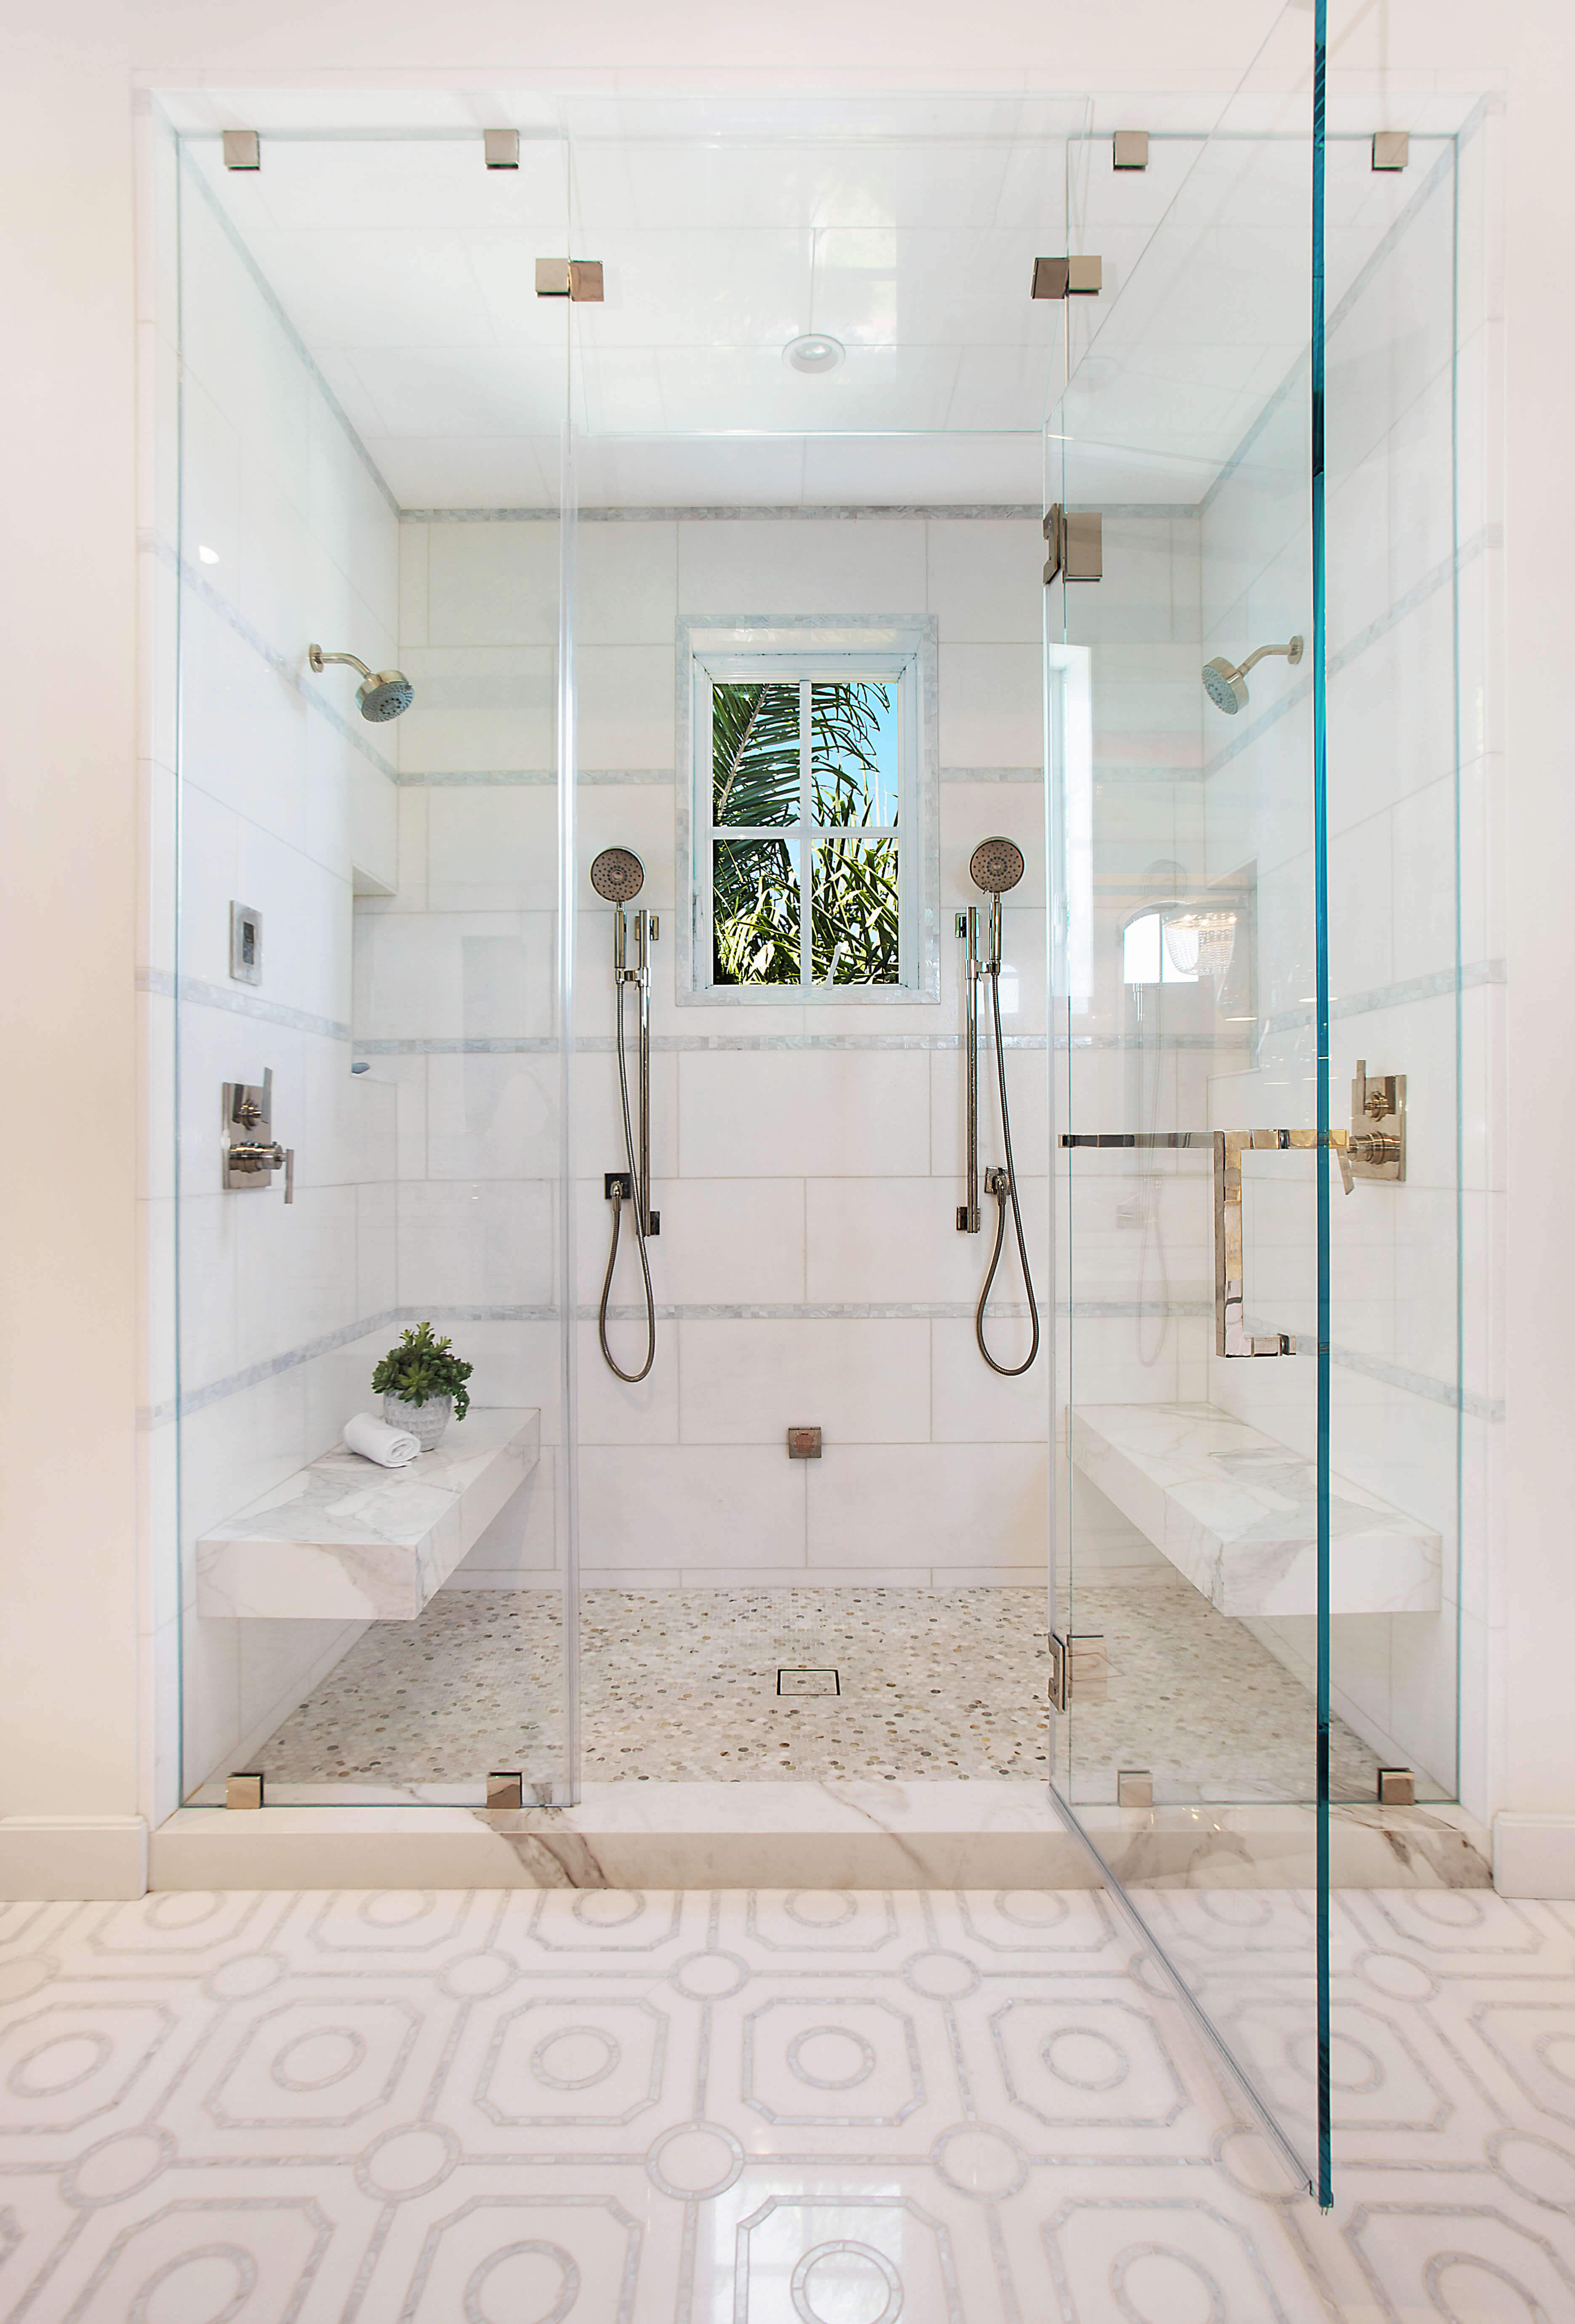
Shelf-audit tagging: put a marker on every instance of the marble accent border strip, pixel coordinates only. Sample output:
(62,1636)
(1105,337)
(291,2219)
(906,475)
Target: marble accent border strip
(745,511)
(592,778)
(1376,1368)
(238,1003)
(1440,577)
(288,1359)
(265,291)
(1468,977)
(602,1044)
(192,577)
(916,1311)
(809,511)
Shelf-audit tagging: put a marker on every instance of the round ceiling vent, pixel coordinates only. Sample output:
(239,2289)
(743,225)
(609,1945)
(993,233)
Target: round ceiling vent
(814,351)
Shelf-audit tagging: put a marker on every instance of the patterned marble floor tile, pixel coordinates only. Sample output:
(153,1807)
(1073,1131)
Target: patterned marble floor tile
(610,2108)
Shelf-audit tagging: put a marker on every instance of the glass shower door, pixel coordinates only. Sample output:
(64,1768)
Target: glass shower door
(1191,1463)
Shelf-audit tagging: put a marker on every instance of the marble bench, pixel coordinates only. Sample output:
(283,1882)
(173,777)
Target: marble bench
(345,1541)
(1236,1511)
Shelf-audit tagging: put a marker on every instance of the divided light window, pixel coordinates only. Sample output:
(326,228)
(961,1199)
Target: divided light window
(808,876)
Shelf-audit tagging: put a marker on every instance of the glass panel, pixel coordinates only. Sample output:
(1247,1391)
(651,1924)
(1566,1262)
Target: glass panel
(854,744)
(855,924)
(755,892)
(811,417)
(397,1009)
(1405,995)
(1188,1537)
(756,754)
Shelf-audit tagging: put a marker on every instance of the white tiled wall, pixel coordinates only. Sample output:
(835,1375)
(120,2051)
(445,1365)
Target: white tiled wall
(791,1181)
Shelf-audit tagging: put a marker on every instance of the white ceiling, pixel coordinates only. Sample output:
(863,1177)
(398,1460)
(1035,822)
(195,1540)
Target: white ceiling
(408,270)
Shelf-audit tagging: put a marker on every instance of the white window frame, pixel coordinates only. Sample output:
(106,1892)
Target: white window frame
(806,653)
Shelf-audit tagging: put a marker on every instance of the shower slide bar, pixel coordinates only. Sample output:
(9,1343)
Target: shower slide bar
(617,875)
(1231,1336)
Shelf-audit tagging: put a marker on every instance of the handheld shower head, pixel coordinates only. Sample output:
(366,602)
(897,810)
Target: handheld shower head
(1225,683)
(996,865)
(383,694)
(618,875)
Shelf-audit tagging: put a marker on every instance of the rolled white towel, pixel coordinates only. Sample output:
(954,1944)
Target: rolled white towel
(390,1448)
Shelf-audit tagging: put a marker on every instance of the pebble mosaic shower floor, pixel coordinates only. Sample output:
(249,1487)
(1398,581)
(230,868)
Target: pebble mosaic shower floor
(681,1686)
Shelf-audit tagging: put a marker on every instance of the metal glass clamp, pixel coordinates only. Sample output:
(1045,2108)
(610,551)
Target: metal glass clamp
(1076,544)
(1079,277)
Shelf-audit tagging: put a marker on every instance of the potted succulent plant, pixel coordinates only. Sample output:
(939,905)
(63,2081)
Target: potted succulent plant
(422,1382)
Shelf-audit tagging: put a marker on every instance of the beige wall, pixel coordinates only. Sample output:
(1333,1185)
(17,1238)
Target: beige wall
(70,1706)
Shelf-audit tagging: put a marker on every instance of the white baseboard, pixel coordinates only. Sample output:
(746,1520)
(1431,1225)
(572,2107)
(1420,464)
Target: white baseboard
(67,1860)
(1533,1855)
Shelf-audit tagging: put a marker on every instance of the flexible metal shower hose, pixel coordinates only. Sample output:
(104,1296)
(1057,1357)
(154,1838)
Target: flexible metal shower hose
(640,1194)
(1006,1371)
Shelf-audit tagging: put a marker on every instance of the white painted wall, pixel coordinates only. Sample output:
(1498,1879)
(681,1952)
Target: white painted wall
(74,1739)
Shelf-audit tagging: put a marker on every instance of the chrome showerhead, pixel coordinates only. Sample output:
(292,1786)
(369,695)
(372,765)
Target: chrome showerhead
(1224,685)
(383,694)
(386,695)
(1225,682)
(618,875)
(996,865)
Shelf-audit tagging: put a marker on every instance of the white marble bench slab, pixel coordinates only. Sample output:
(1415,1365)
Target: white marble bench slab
(345,1541)
(1236,1511)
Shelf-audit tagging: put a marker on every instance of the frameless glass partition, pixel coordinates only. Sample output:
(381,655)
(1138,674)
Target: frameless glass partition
(370,1015)
(808,415)
(1258,1405)
(1188,1135)
(860,1051)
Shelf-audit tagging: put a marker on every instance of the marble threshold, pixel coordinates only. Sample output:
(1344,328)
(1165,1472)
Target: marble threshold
(343,1540)
(968,1834)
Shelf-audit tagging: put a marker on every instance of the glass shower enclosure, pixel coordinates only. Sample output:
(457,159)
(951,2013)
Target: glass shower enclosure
(812,514)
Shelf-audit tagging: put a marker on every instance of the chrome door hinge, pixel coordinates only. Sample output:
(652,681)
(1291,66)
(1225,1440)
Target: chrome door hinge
(1076,543)
(579,279)
(1067,278)
(1079,1665)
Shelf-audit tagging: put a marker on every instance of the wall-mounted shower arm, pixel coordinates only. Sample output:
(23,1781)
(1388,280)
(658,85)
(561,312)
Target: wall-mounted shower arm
(1292,651)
